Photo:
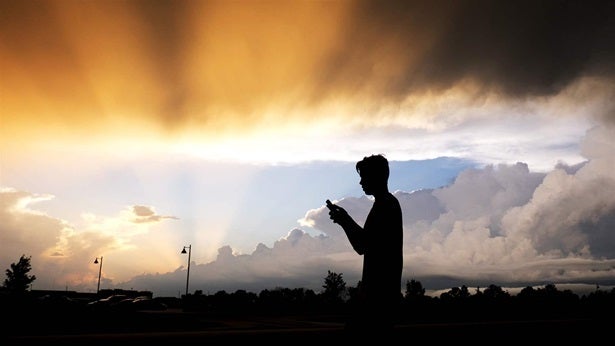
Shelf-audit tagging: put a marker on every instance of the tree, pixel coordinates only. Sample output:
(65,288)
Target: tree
(495,292)
(17,278)
(334,286)
(414,289)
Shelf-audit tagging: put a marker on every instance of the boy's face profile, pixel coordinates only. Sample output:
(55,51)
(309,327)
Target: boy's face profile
(367,183)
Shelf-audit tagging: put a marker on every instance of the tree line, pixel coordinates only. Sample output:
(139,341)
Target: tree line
(336,297)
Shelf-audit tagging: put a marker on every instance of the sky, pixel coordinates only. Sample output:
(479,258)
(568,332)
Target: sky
(132,129)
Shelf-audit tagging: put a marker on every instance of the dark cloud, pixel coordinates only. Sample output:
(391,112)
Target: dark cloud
(206,62)
(516,47)
(599,232)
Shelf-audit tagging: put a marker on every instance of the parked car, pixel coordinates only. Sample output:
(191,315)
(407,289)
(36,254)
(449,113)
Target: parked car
(107,303)
(56,302)
(147,303)
(120,302)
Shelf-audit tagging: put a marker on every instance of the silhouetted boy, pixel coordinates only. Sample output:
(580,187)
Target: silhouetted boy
(380,241)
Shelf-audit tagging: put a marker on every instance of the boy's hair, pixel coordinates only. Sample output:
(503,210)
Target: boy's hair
(376,166)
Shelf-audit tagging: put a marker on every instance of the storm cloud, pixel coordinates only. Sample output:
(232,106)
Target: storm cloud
(226,66)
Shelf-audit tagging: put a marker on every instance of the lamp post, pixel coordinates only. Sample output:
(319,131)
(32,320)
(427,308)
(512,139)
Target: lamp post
(99,272)
(188,271)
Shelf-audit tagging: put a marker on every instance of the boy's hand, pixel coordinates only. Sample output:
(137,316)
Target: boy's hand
(337,213)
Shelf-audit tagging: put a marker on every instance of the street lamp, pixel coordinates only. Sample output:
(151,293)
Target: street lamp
(188,271)
(99,272)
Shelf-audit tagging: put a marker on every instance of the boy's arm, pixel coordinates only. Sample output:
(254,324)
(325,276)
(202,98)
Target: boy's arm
(353,231)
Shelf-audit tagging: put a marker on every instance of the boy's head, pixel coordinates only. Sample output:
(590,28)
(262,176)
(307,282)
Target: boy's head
(374,173)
